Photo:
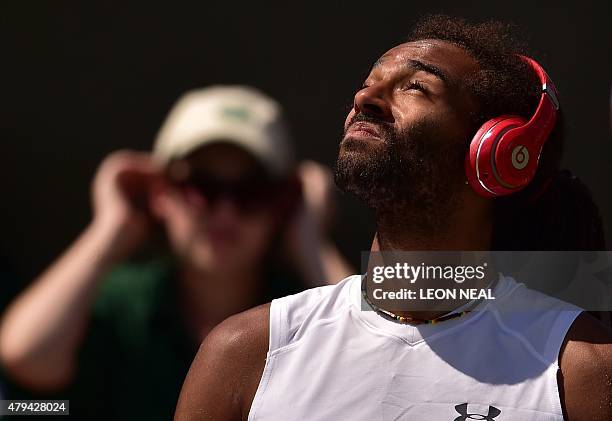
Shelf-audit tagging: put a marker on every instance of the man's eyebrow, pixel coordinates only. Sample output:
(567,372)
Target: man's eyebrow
(429,68)
(375,65)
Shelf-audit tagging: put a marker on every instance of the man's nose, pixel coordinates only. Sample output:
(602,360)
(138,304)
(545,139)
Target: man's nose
(225,210)
(371,101)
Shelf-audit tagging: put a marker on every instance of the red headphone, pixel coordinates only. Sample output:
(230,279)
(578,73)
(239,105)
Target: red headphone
(504,153)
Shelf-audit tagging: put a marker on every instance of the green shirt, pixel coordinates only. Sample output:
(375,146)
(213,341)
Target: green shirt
(137,351)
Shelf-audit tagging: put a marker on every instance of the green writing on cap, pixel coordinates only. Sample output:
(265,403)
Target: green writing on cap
(236,113)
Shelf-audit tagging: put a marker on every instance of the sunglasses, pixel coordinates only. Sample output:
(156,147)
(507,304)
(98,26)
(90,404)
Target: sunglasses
(248,194)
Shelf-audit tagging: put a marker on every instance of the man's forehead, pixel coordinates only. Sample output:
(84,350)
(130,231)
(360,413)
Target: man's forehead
(455,60)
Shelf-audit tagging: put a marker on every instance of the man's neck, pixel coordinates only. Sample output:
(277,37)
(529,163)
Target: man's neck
(461,237)
(467,229)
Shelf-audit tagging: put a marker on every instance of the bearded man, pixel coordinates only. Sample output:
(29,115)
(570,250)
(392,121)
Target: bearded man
(317,356)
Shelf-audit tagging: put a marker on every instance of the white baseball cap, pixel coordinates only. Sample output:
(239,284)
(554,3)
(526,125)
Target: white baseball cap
(240,115)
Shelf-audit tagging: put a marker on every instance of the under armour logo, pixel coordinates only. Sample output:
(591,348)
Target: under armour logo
(462,409)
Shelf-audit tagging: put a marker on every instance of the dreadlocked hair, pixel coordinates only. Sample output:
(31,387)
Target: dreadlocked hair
(556,210)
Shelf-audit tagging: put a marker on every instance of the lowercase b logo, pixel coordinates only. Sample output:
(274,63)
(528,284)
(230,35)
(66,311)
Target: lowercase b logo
(462,410)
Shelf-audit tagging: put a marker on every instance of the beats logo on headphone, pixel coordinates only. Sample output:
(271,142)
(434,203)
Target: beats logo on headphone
(504,154)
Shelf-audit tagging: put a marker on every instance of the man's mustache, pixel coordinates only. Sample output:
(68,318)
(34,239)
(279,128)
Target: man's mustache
(386,129)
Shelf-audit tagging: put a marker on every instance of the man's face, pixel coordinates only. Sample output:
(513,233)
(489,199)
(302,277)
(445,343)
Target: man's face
(218,212)
(406,136)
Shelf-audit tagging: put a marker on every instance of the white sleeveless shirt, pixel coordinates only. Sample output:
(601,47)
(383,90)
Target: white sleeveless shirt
(329,360)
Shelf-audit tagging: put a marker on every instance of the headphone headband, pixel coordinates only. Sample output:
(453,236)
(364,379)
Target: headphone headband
(545,115)
(548,87)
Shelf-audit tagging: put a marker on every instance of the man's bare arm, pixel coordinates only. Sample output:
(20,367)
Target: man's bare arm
(586,371)
(225,373)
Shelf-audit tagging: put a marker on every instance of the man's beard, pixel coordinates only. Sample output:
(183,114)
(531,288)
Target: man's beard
(411,179)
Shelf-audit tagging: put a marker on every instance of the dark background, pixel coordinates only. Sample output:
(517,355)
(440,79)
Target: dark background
(81,79)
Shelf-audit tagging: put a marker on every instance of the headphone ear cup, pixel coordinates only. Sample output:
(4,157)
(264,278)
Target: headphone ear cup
(483,156)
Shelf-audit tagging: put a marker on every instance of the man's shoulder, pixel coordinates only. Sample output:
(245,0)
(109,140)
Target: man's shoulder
(586,370)
(292,313)
(246,330)
(225,373)
(252,327)
(335,293)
